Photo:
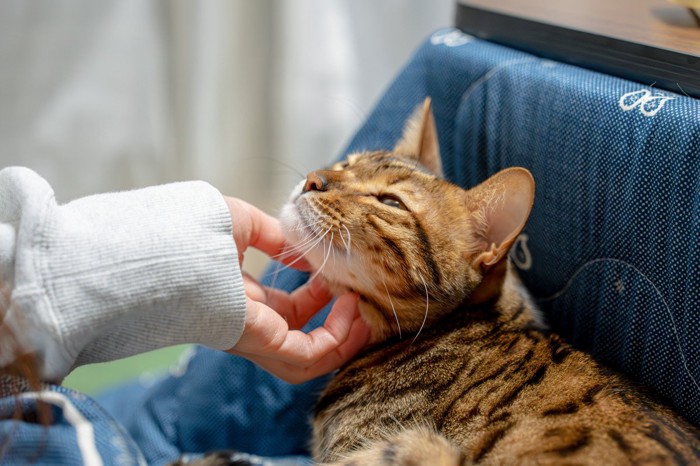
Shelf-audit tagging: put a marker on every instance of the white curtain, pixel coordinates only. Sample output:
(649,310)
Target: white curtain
(100,95)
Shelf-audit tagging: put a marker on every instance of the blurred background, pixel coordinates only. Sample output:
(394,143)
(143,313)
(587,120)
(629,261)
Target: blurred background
(104,95)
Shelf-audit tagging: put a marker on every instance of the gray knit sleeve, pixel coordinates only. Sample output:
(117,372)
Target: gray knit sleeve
(111,275)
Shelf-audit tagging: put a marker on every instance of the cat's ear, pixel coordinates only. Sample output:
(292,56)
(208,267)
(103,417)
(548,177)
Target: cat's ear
(504,202)
(420,140)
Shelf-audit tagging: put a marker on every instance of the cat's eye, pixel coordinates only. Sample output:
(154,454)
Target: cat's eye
(391,201)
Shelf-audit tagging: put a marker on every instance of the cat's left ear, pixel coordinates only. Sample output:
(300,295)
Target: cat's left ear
(420,140)
(504,203)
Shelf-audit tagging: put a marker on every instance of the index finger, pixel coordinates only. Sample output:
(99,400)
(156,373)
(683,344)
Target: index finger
(267,235)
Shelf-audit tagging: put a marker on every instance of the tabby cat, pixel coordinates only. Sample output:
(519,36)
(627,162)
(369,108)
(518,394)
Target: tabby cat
(462,370)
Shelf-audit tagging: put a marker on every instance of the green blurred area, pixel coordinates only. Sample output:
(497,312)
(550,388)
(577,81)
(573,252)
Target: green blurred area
(94,378)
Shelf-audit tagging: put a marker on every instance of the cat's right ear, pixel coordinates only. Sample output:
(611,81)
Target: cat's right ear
(420,140)
(504,202)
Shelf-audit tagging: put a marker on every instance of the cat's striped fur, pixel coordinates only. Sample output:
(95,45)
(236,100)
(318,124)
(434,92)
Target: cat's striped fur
(462,371)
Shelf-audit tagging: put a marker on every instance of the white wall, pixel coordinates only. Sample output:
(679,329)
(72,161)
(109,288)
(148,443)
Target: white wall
(100,95)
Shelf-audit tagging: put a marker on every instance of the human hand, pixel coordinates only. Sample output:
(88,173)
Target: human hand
(272,337)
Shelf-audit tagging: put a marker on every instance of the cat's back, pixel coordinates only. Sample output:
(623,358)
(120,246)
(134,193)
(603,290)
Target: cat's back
(500,395)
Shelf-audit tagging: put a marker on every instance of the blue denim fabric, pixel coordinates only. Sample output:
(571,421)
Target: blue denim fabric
(80,432)
(611,251)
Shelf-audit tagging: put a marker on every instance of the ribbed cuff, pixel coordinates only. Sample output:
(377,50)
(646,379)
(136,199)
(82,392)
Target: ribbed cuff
(128,272)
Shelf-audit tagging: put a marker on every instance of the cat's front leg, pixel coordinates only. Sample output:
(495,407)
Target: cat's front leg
(410,447)
(236,458)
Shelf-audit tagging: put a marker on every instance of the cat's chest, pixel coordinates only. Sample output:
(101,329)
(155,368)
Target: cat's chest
(432,376)
(458,379)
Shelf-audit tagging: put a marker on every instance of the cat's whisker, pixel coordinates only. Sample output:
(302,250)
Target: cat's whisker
(292,168)
(300,251)
(347,247)
(349,239)
(334,266)
(324,260)
(427,305)
(316,240)
(328,254)
(306,226)
(311,233)
(309,249)
(398,324)
(330,246)
(292,250)
(275,274)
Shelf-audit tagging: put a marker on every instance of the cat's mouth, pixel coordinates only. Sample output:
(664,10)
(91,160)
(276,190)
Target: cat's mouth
(317,240)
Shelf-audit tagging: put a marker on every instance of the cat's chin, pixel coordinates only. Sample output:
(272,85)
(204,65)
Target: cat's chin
(291,223)
(296,231)
(320,257)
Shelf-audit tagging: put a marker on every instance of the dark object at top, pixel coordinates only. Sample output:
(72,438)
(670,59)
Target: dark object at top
(652,42)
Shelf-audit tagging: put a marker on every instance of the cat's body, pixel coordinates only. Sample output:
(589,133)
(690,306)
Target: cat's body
(462,371)
(498,390)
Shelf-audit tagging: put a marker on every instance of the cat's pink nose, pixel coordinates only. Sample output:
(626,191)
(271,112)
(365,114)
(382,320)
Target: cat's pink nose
(315,182)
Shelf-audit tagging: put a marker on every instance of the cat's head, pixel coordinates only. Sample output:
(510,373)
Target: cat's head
(386,225)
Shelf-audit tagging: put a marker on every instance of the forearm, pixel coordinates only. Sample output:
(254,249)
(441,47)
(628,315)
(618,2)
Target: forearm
(111,275)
